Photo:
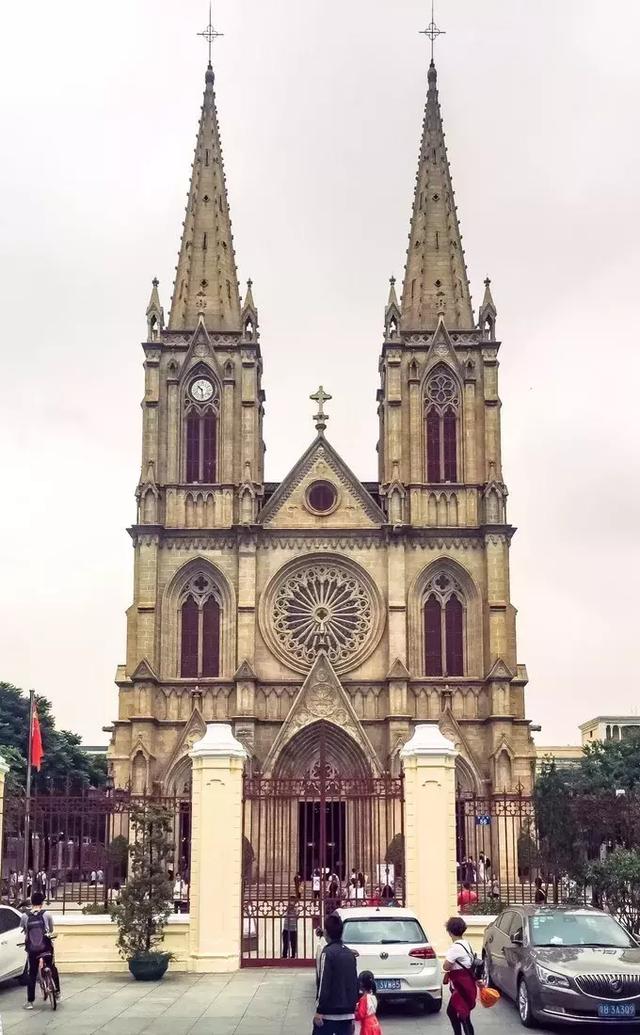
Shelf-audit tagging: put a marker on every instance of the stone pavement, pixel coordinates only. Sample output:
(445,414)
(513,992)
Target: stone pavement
(252,1002)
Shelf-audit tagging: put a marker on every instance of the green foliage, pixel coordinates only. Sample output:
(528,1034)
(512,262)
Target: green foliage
(616,882)
(488,907)
(63,752)
(395,853)
(528,852)
(98,909)
(146,899)
(559,836)
(118,851)
(610,765)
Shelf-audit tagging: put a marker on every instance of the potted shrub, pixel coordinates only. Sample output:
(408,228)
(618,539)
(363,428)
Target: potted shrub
(146,899)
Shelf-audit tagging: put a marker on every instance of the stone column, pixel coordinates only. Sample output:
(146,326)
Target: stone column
(4,769)
(216,851)
(430,830)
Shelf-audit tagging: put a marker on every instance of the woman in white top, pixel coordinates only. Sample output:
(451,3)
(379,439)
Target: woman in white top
(458,963)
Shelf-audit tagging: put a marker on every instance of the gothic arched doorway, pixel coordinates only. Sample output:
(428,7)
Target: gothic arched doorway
(320,814)
(327,771)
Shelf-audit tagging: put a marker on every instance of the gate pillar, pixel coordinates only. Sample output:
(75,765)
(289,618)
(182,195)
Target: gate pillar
(430,830)
(216,851)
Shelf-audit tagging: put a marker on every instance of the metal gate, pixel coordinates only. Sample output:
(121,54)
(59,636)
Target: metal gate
(310,845)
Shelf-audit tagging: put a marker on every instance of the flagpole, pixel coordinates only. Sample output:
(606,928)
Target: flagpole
(27,808)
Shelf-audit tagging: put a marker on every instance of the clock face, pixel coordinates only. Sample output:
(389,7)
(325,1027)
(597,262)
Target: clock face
(201,390)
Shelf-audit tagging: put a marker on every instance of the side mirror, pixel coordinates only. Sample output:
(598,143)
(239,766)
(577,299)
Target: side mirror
(516,938)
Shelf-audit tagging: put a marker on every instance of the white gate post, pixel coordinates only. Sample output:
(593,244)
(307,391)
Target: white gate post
(430,829)
(216,851)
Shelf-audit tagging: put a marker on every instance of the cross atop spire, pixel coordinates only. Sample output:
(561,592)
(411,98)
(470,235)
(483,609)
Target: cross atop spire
(435,281)
(432,31)
(320,418)
(210,34)
(206,284)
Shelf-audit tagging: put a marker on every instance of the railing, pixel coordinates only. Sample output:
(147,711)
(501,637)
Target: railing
(311,845)
(496,851)
(79,847)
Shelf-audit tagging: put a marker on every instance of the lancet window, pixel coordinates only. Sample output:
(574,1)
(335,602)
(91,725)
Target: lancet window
(201,408)
(442,418)
(200,627)
(444,627)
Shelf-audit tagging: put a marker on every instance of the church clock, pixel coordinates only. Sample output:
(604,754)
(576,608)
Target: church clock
(201,390)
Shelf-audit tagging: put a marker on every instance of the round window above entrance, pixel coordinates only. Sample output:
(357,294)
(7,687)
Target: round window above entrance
(322,497)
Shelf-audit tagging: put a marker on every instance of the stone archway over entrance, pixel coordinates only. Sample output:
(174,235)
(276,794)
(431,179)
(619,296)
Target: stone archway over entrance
(322,814)
(322,743)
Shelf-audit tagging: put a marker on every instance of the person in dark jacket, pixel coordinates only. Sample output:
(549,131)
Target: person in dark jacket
(337,984)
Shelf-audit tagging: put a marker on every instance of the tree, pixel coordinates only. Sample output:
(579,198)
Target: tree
(63,753)
(560,843)
(609,765)
(616,881)
(145,901)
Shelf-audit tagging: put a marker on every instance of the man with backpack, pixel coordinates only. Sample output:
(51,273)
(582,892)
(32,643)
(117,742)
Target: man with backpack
(37,925)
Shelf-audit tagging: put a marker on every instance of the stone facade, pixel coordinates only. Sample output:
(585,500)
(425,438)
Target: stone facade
(319,583)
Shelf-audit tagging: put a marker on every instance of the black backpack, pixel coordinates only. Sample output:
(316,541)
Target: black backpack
(36,933)
(476,966)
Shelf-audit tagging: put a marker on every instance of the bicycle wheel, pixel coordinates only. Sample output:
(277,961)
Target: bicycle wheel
(51,990)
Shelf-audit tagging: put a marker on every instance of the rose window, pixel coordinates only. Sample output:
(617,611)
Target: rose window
(442,389)
(323,605)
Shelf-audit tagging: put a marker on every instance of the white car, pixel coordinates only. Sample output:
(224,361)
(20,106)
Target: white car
(392,944)
(12,954)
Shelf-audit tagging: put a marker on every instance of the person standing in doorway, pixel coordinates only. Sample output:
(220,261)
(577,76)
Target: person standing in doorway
(290,931)
(337,984)
(315,884)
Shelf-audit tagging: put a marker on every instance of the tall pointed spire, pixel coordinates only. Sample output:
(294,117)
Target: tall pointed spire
(435,281)
(206,278)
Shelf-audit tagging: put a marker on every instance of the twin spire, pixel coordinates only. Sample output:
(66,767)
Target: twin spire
(206,281)
(435,282)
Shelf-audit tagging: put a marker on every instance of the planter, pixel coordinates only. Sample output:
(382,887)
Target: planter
(151,967)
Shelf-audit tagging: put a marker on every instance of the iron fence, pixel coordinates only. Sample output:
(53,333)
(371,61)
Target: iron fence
(79,846)
(309,846)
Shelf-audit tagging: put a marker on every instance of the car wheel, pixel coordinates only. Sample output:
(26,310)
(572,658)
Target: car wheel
(524,1005)
(432,1005)
(488,976)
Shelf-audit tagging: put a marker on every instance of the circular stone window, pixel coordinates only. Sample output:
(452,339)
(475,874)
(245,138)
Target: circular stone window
(322,497)
(322,603)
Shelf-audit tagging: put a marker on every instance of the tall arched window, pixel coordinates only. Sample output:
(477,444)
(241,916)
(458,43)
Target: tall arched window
(442,412)
(200,615)
(444,627)
(201,429)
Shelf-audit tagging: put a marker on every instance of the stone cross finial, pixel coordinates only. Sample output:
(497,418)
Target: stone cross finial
(320,418)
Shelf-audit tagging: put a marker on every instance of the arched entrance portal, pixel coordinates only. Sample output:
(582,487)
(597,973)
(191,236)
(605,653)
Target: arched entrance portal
(321,814)
(328,767)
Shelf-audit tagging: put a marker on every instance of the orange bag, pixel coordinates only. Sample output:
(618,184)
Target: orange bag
(489,997)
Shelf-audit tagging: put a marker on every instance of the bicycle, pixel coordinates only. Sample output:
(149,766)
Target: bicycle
(45,978)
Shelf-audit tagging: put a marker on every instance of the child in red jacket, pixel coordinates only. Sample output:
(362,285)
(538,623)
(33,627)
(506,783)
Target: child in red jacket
(367,1005)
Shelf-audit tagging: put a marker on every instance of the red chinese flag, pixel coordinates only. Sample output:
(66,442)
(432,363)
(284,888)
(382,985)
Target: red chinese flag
(37,752)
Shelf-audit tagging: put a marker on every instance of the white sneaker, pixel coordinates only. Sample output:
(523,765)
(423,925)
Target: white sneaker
(28,1006)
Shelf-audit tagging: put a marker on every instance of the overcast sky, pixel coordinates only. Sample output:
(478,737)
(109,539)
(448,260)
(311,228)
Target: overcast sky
(320,105)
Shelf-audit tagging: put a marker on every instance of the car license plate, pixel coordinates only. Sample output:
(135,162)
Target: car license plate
(388,985)
(613,1010)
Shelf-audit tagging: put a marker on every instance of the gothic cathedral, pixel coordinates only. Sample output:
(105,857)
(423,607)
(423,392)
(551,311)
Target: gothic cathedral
(321,602)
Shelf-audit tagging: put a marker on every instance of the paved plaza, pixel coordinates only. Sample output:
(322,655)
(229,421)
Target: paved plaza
(252,1002)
